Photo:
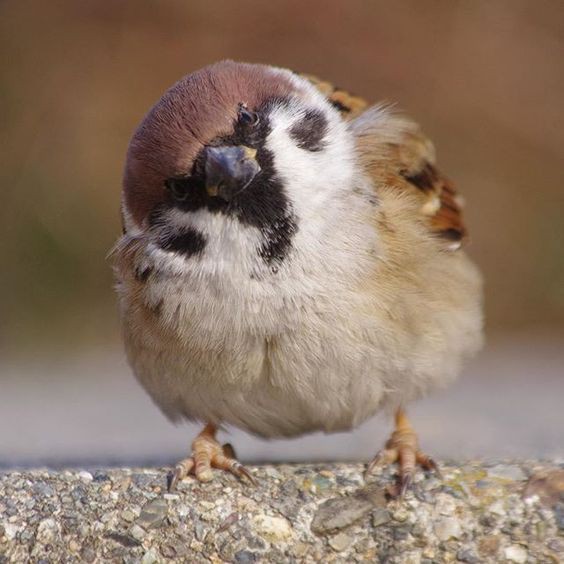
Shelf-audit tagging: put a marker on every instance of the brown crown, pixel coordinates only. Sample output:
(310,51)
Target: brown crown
(201,106)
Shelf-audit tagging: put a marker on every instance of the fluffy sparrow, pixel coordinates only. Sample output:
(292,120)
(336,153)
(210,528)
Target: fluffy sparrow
(291,262)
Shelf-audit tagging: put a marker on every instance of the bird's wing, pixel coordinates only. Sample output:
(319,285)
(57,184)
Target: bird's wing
(397,155)
(348,104)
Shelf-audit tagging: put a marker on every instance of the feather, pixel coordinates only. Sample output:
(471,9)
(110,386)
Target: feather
(349,105)
(396,154)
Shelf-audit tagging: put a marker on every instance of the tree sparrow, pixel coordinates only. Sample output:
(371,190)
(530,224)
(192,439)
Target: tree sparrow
(291,262)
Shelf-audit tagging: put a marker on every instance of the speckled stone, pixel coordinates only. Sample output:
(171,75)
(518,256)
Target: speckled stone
(515,553)
(507,472)
(340,512)
(559,515)
(272,528)
(447,528)
(340,542)
(478,512)
(153,514)
(469,555)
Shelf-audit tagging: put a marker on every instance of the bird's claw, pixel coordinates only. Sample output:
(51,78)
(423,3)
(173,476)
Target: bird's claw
(402,447)
(428,463)
(406,471)
(383,457)
(181,470)
(171,481)
(208,454)
(405,482)
(242,472)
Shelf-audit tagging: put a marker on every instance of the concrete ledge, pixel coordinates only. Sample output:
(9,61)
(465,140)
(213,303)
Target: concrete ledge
(479,512)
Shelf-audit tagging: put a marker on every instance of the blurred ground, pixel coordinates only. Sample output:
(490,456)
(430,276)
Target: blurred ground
(485,79)
(91,410)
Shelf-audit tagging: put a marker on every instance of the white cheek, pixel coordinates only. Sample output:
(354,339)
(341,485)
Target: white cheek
(311,179)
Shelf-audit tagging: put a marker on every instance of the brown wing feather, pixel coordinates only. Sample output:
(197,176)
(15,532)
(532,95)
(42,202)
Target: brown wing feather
(446,213)
(348,104)
(396,153)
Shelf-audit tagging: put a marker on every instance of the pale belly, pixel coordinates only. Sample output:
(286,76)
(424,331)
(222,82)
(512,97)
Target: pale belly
(326,374)
(285,386)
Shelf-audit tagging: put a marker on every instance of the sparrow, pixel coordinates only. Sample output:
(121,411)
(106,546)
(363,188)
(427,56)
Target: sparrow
(291,262)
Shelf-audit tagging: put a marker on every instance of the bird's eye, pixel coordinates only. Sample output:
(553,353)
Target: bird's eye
(178,187)
(247,118)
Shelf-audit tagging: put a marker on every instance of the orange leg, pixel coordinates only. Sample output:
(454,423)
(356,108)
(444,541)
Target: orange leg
(403,447)
(207,453)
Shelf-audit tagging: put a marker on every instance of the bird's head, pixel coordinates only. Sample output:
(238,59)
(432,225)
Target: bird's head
(236,151)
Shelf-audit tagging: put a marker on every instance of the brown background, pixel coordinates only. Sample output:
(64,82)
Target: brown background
(485,79)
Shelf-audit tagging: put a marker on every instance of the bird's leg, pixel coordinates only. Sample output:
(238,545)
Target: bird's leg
(403,447)
(207,453)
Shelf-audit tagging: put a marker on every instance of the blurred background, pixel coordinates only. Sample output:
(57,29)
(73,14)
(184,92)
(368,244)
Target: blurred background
(486,81)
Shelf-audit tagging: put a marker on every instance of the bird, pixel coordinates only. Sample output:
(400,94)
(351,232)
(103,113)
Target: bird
(292,261)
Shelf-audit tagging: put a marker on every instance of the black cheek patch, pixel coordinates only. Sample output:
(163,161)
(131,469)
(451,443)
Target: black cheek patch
(278,240)
(309,132)
(188,243)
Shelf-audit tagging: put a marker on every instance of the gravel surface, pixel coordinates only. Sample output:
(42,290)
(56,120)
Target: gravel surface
(478,512)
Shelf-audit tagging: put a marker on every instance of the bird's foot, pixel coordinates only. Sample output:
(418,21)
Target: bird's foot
(402,447)
(207,453)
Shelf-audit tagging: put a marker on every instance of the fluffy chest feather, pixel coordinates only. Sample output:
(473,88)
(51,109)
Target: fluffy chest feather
(228,289)
(221,329)
(340,330)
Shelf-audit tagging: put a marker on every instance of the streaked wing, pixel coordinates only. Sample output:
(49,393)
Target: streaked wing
(348,104)
(396,153)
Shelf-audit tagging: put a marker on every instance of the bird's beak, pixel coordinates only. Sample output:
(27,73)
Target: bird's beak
(229,170)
